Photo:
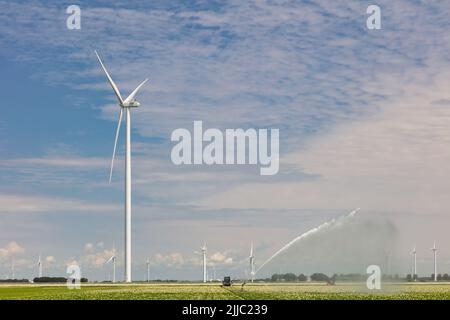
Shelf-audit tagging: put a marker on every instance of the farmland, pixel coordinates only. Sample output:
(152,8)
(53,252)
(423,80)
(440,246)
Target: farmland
(213,291)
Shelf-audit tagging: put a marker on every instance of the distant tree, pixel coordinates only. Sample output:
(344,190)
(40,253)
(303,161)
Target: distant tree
(319,277)
(432,276)
(49,280)
(445,277)
(332,280)
(14,280)
(350,277)
(302,278)
(275,277)
(409,278)
(290,277)
(439,277)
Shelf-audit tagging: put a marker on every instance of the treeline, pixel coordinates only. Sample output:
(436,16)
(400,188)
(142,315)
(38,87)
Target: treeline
(291,277)
(439,277)
(55,280)
(14,280)
(41,280)
(321,277)
(351,277)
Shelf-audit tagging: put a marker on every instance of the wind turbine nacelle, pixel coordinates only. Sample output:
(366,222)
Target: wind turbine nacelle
(131,104)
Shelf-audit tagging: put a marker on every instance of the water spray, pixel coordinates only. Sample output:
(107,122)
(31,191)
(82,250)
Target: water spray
(324,226)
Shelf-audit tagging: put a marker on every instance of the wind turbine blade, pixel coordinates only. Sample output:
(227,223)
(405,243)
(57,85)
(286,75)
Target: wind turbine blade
(135,91)
(109,260)
(115,143)
(111,82)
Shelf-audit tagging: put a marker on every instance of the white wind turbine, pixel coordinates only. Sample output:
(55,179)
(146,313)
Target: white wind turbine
(125,106)
(414,267)
(148,269)
(113,260)
(204,261)
(252,263)
(13,270)
(39,265)
(214,273)
(434,249)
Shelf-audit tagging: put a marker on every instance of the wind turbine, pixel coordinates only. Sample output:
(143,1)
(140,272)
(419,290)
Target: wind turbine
(13,270)
(125,106)
(148,269)
(434,249)
(252,263)
(113,260)
(39,264)
(388,261)
(204,261)
(414,269)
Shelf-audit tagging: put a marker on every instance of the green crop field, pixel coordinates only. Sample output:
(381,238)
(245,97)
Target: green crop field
(259,291)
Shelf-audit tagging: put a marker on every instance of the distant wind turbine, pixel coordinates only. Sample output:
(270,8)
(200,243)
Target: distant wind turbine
(148,269)
(204,261)
(125,105)
(13,270)
(434,249)
(252,263)
(113,260)
(414,267)
(39,265)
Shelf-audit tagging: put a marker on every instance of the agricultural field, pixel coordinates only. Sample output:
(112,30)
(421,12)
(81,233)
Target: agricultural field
(213,291)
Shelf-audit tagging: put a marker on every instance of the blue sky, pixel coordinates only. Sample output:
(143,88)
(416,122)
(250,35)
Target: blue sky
(362,117)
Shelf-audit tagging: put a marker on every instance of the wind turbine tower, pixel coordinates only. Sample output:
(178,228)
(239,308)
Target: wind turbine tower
(125,106)
(148,270)
(39,264)
(252,263)
(414,269)
(434,249)
(204,262)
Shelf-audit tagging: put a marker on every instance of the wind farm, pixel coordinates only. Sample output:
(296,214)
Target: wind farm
(249,284)
(225,150)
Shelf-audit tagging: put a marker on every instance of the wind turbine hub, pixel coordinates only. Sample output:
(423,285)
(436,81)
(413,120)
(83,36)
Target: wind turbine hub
(131,104)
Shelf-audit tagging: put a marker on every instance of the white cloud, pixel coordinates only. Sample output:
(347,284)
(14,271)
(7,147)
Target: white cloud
(96,259)
(89,247)
(220,258)
(74,162)
(394,160)
(173,259)
(11,249)
(17,203)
